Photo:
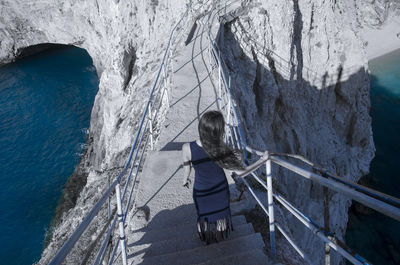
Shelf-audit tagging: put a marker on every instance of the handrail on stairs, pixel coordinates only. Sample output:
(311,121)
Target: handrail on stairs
(381,202)
(142,134)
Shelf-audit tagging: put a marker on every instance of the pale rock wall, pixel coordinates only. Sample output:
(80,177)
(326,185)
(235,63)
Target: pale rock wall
(312,100)
(300,76)
(373,13)
(126,40)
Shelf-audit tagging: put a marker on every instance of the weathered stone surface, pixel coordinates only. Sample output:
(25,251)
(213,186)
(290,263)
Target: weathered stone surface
(301,79)
(125,40)
(299,68)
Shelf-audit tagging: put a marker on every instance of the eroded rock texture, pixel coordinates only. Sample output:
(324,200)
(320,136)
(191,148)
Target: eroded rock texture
(126,40)
(302,84)
(300,76)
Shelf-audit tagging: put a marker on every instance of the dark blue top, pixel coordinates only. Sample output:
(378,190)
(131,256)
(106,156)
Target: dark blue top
(207,172)
(210,190)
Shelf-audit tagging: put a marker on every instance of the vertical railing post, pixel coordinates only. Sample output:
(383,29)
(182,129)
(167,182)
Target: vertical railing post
(167,96)
(238,145)
(219,87)
(326,225)
(171,68)
(121,223)
(109,202)
(229,111)
(270,208)
(209,54)
(165,76)
(151,126)
(166,85)
(229,82)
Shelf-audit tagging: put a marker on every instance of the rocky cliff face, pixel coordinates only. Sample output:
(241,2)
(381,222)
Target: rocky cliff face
(126,40)
(374,13)
(298,67)
(301,78)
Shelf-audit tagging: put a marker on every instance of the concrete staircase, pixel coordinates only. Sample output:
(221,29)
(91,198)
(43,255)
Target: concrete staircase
(162,229)
(162,226)
(181,245)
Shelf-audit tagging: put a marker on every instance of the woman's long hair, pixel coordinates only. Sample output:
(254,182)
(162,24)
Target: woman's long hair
(212,131)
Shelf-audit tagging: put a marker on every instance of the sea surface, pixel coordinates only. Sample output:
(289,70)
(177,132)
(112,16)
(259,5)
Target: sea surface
(373,235)
(45,106)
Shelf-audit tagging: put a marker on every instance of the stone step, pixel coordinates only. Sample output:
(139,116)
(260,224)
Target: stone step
(186,214)
(181,242)
(241,207)
(206,253)
(253,257)
(145,236)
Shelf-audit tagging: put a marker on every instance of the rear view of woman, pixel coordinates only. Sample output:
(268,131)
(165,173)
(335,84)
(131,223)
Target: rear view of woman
(208,156)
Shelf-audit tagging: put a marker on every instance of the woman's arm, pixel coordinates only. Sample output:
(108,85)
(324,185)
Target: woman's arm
(259,162)
(187,168)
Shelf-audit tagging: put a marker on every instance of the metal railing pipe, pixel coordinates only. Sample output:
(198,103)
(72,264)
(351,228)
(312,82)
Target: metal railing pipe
(288,238)
(319,232)
(382,196)
(111,261)
(67,246)
(134,160)
(241,142)
(100,254)
(341,188)
(270,208)
(134,180)
(293,244)
(150,118)
(371,192)
(121,224)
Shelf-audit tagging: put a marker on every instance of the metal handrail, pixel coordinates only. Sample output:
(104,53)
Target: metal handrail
(68,245)
(381,202)
(240,141)
(324,172)
(373,203)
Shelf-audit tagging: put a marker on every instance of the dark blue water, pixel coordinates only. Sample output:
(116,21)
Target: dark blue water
(45,105)
(375,236)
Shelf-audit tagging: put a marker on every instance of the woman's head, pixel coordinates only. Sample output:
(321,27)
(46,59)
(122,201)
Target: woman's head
(211,132)
(212,127)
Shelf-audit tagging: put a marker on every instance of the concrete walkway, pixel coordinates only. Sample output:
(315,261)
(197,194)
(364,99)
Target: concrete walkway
(191,95)
(161,229)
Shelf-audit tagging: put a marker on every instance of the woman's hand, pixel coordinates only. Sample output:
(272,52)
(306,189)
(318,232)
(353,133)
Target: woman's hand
(253,166)
(186,155)
(265,156)
(186,183)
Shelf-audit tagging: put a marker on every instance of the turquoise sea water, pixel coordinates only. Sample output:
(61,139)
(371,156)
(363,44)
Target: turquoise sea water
(375,236)
(45,105)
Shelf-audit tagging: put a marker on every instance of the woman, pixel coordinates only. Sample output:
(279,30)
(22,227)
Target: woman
(209,155)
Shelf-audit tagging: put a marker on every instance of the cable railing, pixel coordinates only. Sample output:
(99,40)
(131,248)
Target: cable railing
(144,137)
(378,201)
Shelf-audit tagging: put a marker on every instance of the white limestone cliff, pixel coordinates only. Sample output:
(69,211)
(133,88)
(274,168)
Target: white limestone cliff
(299,68)
(300,75)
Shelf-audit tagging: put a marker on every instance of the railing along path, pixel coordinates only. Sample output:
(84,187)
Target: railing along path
(378,201)
(158,98)
(235,136)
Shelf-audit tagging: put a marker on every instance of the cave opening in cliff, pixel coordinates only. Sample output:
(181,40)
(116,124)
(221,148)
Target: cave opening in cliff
(46,98)
(39,48)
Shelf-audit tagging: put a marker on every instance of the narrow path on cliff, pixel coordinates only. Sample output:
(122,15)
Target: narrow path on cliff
(161,228)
